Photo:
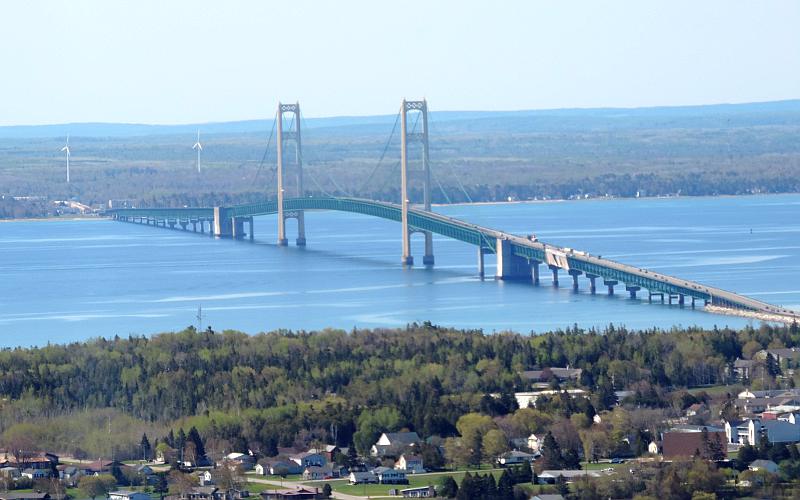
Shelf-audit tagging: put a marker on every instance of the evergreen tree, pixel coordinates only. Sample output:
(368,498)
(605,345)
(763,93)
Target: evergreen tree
(180,443)
(448,487)
(505,487)
(170,439)
(468,489)
(561,486)
(489,487)
(352,456)
(195,438)
(551,453)
(327,490)
(145,446)
(161,485)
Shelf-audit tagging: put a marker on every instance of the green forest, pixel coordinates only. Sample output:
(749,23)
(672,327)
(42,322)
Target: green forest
(694,151)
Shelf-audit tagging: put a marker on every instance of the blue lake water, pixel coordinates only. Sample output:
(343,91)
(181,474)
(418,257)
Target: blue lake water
(69,280)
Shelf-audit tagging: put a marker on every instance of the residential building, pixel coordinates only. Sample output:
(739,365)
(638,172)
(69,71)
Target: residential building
(528,399)
(327,471)
(388,475)
(36,473)
(309,459)
(393,444)
(743,368)
(363,478)
(551,476)
(515,458)
(299,493)
(765,465)
(243,460)
(277,467)
(534,444)
(412,464)
(690,441)
(420,492)
(127,495)
(69,474)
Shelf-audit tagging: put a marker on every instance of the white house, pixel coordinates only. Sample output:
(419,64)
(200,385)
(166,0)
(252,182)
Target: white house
(412,464)
(393,443)
(534,443)
(127,495)
(363,478)
(386,475)
(420,492)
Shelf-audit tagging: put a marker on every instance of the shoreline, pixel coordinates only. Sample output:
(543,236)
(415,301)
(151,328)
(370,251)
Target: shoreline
(772,318)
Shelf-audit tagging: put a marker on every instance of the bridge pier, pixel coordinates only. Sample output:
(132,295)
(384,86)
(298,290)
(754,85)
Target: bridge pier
(610,284)
(250,227)
(183,224)
(681,299)
(632,290)
(480,262)
(554,269)
(592,286)
(535,271)
(574,273)
(237,228)
(223,227)
(510,266)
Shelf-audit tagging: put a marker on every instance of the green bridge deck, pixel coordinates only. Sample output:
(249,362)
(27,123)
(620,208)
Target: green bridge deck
(485,238)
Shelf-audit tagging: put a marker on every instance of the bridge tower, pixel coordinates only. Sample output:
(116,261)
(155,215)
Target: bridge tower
(406,137)
(283,137)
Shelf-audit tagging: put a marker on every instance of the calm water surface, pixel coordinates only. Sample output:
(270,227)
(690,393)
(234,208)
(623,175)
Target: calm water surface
(70,280)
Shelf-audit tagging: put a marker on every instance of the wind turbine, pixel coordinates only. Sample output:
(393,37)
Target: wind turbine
(198,147)
(65,149)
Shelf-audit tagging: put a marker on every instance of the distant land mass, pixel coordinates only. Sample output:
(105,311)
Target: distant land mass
(475,156)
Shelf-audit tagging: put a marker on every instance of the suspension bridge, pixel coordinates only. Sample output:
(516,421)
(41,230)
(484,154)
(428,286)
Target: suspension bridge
(517,258)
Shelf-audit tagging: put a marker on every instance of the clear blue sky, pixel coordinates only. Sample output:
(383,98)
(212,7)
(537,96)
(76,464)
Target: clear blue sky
(158,61)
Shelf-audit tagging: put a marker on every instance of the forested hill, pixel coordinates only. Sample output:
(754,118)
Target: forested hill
(475,156)
(284,387)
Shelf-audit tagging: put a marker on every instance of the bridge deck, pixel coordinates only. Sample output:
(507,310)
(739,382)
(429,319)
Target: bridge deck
(487,239)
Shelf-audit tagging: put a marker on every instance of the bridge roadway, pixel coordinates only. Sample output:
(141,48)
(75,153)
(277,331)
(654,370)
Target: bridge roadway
(518,258)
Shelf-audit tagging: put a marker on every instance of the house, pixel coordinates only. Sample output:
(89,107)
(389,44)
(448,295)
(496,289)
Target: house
(309,459)
(100,467)
(534,443)
(528,399)
(765,465)
(420,492)
(388,475)
(127,495)
(412,464)
(9,473)
(69,474)
(690,441)
(786,357)
(550,373)
(36,473)
(327,471)
(243,460)
(394,443)
(743,431)
(204,493)
(551,476)
(11,495)
(329,451)
(743,368)
(515,458)
(697,409)
(780,431)
(204,478)
(143,469)
(653,448)
(278,467)
(363,478)
(299,493)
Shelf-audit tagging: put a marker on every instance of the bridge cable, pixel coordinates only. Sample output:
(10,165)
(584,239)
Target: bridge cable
(449,201)
(458,180)
(383,154)
(266,152)
(313,179)
(397,164)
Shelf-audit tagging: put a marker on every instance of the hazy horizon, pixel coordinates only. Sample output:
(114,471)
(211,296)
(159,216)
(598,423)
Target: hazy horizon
(184,62)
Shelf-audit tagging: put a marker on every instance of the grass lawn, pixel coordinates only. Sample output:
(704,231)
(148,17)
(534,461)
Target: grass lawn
(717,390)
(414,480)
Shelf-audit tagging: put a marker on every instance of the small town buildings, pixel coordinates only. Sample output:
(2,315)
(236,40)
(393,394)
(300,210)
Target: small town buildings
(299,493)
(551,476)
(515,458)
(36,473)
(127,495)
(412,464)
(277,467)
(420,492)
(243,460)
(309,459)
(393,444)
(763,465)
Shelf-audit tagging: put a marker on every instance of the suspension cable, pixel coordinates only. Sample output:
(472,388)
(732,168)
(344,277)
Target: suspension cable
(313,179)
(266,151)
(383,154)
(458,180)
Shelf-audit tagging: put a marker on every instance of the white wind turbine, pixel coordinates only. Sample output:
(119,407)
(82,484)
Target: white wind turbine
(198,147)
(65,149)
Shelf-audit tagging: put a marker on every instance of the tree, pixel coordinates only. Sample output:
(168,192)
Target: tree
(327,490)
(448,487)
(494,444)
(182,483)
(505,487)
(146,449)
(551,453)
(161,486)
(468,490)
(352,456)
(96,486)
(199,447)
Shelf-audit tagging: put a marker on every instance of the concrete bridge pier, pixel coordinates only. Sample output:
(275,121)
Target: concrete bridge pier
(184,224)
(610,284)
(592,286)
(194,226)
(535,272)
(427,259)
(172,224)
(554,269)
(632,290)
(681,299)
(301,229)
(574,273)
(250,227)
(237,228)
(481,271)
(672,296)
(223,227)
(510,266)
